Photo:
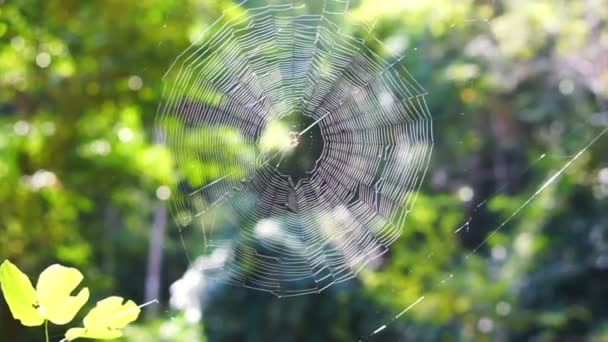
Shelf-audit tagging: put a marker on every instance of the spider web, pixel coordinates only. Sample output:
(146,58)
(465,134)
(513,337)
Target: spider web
(293,62)
(299,145)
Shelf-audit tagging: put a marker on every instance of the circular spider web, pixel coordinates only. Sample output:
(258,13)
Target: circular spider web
(300,142)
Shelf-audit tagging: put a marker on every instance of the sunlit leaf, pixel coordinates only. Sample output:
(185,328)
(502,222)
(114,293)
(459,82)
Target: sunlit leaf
(106,319)
(19,294)
(54,287)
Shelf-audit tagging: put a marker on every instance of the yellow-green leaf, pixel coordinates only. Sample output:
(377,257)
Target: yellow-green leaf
(106,319)
(100,334)
(20,295)
(54,287)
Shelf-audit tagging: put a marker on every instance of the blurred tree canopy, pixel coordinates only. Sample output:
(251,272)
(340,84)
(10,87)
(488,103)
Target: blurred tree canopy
(517,89)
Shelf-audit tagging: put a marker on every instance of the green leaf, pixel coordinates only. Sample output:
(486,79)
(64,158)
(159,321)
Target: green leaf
(20,295)
(106,319)
(54,287)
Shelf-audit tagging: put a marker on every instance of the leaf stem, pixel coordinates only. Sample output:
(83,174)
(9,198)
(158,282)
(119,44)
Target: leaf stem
(46,330)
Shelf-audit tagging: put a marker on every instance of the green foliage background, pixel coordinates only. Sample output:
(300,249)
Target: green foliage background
(517,88)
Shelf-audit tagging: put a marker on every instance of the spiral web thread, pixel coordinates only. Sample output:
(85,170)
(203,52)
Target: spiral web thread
(254,66)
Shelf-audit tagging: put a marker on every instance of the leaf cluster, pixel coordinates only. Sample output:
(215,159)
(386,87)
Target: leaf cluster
(51,301)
